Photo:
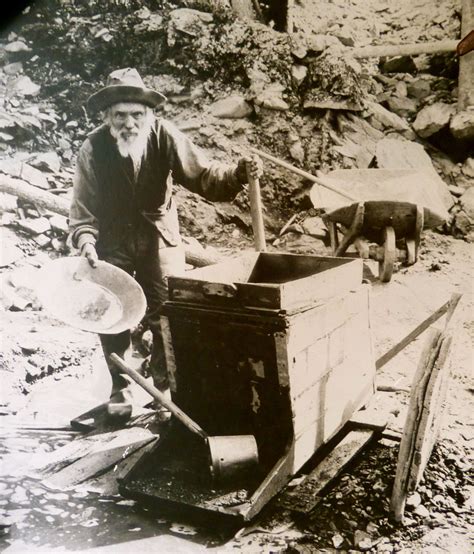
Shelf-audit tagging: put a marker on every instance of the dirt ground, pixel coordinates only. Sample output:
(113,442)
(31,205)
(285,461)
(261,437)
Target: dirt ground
(50,372)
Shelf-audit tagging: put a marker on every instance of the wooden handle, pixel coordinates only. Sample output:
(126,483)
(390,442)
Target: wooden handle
(305,174)
(256,213)
(158,395)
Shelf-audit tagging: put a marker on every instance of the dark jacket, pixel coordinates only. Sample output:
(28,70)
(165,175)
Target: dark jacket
(108,201)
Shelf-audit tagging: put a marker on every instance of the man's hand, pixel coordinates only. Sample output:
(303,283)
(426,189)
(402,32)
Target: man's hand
(249,166)
(89,252)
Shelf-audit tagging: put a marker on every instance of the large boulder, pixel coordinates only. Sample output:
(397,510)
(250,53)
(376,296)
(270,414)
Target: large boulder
(188,22)
(402,106)
(468,168)
(233,107)
(433,118)
(419,88)
(404,154)
(462,125)
(387,119)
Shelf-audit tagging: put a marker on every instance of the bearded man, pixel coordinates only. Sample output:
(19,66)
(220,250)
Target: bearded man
(123,210)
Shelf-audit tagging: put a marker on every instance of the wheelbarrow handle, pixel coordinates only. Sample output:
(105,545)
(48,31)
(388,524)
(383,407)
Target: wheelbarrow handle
(159,396)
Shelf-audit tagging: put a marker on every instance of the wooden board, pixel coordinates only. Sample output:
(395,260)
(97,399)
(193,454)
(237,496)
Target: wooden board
(108,483)
(423,420)
(94,463)
(49,464)
(304,497)
(432,414)
(382,213)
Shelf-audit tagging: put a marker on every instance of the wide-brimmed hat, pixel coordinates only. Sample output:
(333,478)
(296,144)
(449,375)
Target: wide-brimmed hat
(124,85)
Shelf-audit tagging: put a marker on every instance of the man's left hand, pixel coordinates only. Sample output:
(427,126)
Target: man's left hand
(249,166)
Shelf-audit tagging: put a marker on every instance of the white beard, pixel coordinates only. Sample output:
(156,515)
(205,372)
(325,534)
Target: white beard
(135,147)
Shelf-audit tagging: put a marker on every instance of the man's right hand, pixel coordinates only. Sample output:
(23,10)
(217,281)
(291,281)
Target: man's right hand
(89,252)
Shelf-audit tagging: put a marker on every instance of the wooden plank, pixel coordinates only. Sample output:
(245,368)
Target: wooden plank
(449,306)
(49,462)
(373,417)
(432,414)
(52,462)
(425,412)
(305,496)
(93,464)
(107,484)
(270,486)
(407,445)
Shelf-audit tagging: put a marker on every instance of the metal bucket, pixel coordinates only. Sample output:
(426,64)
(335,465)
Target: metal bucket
(232,456)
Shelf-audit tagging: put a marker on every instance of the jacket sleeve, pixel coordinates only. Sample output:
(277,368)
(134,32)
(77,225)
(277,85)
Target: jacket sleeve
(83,213)
(212,180)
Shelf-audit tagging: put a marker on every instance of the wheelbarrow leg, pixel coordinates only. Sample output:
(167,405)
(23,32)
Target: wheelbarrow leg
(389,255)
(332,228)
(353,231)
(413,243)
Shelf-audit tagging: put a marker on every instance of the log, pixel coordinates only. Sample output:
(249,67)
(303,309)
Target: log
(391,50)
(29,193)
(195,256)
(466,62)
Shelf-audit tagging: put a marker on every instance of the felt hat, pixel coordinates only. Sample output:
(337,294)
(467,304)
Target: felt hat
(124,85)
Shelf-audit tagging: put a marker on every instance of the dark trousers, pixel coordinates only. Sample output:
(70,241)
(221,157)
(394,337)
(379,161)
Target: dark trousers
(149,260)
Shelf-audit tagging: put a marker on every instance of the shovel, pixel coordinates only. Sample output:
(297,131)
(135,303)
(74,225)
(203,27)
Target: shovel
(229,455)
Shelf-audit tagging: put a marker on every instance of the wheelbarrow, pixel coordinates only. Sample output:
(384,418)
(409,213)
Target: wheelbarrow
(388,211)
(387,231)
(382,211)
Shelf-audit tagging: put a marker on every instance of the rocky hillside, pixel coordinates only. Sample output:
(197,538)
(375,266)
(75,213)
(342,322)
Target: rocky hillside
(231,84)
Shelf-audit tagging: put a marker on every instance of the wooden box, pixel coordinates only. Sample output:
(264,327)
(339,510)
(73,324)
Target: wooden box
(276,346)
(292,373)
(267,280)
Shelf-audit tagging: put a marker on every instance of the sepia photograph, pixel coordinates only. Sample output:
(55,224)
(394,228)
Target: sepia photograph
(236,267)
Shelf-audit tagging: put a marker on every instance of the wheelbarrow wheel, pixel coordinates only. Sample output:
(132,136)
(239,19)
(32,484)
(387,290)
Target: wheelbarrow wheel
(389,255)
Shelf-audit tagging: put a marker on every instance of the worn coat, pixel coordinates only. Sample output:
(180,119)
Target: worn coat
(109,201)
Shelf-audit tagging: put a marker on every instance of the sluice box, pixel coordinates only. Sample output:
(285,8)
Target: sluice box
(273,345)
